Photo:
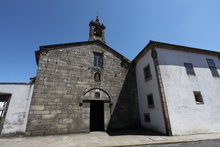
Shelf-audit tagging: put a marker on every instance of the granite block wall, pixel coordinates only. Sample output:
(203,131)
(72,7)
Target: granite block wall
(65,86)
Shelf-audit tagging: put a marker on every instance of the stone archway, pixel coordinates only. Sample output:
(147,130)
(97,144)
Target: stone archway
(96,105)
(89,94)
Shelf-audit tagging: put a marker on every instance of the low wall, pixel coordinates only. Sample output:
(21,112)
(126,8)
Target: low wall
(16,118)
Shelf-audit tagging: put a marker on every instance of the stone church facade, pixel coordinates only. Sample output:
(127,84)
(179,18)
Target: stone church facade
(88,86)
(81,87)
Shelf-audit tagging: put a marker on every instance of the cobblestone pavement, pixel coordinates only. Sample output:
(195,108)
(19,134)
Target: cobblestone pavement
(102,139)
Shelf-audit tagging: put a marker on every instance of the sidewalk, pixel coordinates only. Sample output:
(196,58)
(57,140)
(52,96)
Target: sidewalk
(101,139)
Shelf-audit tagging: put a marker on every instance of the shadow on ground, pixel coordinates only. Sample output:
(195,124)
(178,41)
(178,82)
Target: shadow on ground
(135,132)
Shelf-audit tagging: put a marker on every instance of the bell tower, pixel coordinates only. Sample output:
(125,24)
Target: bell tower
(96,31)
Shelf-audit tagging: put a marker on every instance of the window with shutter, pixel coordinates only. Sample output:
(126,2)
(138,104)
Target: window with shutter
(189,69)
(212,67)
(98,59)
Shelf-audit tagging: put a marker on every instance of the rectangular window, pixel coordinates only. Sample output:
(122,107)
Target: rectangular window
(212,67)
(4,102)
(147,117)
(98,59)
(150,101)
(189,69)
(147,73)
(198,97)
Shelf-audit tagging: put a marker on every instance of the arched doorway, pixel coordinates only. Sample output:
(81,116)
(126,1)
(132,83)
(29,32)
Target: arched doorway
(96,104)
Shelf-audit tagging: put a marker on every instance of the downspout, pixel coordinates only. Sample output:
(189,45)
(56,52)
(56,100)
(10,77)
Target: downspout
(161,91)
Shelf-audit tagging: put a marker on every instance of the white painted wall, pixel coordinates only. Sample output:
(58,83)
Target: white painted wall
(16,117)
(145,88)
(186,116)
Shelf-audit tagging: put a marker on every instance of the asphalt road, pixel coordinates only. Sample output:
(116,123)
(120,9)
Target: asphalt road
(210,143)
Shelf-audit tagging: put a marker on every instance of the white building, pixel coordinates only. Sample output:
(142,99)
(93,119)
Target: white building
(178,89)
(15,101)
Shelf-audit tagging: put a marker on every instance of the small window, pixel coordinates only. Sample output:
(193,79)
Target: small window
(212,67)
(150,101)
(147,73)
(189,69)
(147,117)
(198,97)
(98,59)
(4,102)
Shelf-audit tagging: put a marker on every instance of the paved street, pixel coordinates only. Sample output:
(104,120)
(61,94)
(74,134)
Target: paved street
(136,138)
(210,143)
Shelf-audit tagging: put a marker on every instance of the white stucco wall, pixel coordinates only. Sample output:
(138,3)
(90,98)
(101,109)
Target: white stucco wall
(16,117)
(145,88)
(187,117)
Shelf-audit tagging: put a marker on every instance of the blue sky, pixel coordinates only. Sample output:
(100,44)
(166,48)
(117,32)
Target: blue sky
(130,24)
